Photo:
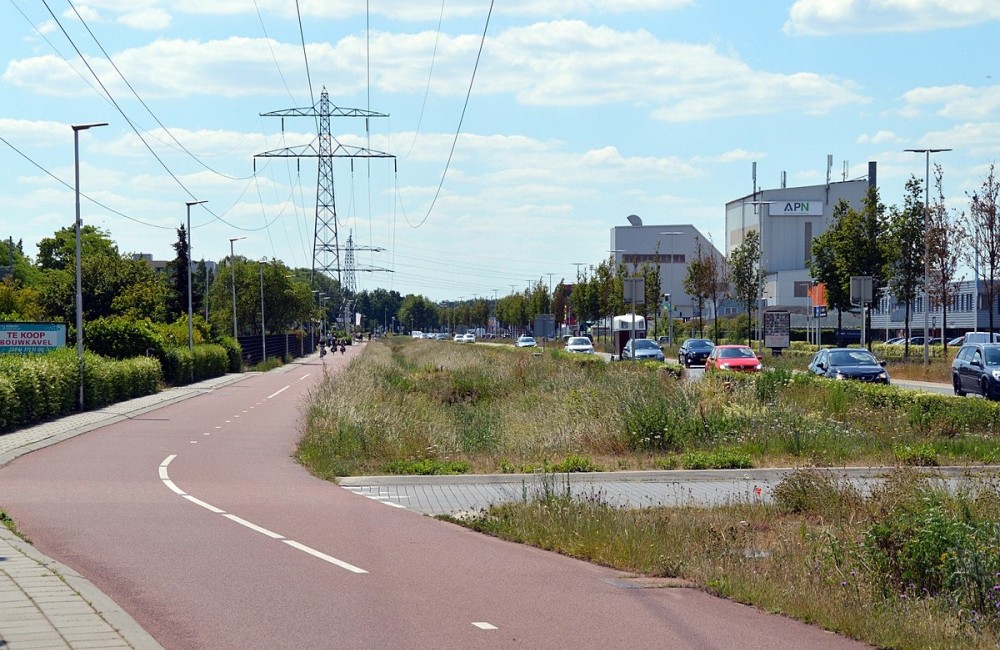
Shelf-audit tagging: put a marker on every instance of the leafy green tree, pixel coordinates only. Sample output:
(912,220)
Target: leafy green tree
(827,265)
(906,251)
(18,302)
(418,313)
(747,275)
(865,244)
(59,251)
(698,282)
(559,303)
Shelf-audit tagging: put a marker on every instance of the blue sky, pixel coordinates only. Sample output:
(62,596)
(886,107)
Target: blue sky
(579,115)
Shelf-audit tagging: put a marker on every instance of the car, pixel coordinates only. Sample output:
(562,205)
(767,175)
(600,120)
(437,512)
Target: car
(579,345)
(441,336)
(459,338)
(663,341)
(526,342)
(468,337)
(733,357)
(849,363)
(898,340)
(976,369)
(642,349)
(694,351)
(957,341)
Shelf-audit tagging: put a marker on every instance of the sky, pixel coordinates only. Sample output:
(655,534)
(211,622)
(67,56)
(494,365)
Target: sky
(520,133)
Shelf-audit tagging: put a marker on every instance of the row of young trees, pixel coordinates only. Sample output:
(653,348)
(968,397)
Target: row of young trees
(899,246)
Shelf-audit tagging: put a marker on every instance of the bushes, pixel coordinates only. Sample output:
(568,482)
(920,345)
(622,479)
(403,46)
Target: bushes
(234,352)
(117,337)
(181,366)
(34,388)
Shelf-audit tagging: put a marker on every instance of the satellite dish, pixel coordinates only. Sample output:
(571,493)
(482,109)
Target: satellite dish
(634,220)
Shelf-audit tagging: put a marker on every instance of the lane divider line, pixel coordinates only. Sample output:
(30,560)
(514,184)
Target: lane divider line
(482,625)
(165,477)
(279,392)
(324,556)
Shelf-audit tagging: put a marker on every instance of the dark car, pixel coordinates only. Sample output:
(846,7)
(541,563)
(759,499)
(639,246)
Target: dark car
(849,363)
(694,351)
(976,369)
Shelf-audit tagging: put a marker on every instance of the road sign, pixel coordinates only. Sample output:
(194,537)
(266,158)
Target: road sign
(819,311)
(634,290)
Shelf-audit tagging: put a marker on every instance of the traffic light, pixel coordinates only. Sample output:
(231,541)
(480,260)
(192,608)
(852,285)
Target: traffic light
(666,301)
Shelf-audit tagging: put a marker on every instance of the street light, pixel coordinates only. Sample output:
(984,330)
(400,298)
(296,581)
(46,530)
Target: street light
(670,286)
(927,252)
(263,329)
(232,271)
(79,272)
(190,314)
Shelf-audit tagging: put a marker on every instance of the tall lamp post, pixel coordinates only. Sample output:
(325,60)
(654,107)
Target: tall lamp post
(263,329)
(232,271)
(79,272)
(927,249)
(190,313)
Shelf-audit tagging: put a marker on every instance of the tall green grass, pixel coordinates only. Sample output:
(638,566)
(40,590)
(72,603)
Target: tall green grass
(494,408)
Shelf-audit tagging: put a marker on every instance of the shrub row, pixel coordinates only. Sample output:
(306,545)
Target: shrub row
(39,387)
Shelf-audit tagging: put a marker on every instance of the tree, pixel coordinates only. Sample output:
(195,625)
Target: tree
(559,303)
(698,283)
(863,244)
(828,267)
(943,255)
(747,275)
(58,252)
(177,275)
(906,262)
(980,235)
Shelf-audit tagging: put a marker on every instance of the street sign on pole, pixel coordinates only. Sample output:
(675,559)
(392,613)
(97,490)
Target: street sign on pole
(634,290)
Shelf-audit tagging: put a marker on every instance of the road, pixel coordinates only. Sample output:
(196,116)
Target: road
(196,519)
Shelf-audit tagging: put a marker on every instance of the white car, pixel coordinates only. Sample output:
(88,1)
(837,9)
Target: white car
(579,345)
(459,338)
(525,342)
(469,337)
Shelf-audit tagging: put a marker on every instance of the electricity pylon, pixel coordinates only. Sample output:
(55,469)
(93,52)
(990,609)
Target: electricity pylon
(326,248)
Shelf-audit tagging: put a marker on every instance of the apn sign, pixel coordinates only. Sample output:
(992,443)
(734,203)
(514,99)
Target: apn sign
(797,209)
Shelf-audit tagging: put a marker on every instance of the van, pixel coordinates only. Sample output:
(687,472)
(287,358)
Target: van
(980,337)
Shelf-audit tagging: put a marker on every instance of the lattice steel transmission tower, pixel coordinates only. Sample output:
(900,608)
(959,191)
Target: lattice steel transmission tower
(350,281)
(326,247)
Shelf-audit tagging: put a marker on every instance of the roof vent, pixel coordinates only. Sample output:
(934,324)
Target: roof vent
(634,220)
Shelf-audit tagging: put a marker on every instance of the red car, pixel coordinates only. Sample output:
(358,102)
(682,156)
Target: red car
(732,357)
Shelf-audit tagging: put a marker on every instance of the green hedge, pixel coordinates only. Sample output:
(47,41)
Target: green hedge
(181,366)
(39,387)
(234,351)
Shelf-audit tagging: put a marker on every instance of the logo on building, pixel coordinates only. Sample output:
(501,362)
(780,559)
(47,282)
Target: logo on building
(798,208)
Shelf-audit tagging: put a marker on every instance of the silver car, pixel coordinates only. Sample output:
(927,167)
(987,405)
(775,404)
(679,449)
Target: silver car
(579,345)
(642,349)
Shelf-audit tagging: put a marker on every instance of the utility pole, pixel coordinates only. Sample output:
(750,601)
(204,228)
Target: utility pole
(326,247)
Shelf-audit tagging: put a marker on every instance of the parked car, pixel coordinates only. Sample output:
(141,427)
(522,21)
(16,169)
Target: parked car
(642,349)
(526,342)
(957,341)
(663,341)
(694,351)
(469,337)
(849,363)
(579,345)
(898,340)
(976,369)
(459,338)
(732,357)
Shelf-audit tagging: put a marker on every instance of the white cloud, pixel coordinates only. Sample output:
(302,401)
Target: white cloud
(830,17)
(880,137)
(565,63)
(957,102)
(149,19)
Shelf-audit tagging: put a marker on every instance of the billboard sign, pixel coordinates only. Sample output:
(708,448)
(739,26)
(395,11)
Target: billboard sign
(777,329)
(28,338)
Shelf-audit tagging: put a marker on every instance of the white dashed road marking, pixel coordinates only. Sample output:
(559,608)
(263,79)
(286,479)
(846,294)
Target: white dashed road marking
(165,477)
(484,626)
(279,392)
